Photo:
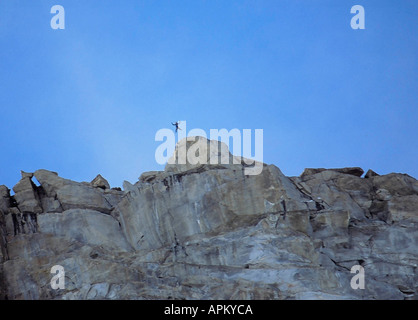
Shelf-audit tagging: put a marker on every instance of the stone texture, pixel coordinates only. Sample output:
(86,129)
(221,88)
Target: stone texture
(203,151)
(85,226)
(100,182)
(26,197)
(4,210)
(4,199)
(216,200)
(195,152)
(370,173)
(196,231)
(355,171)
(70,194)
(26,174)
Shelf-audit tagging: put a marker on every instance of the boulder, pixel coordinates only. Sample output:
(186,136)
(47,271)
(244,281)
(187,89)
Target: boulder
(370,173)
(196,152)
(193,152)
(149,176)
(100,182)
(71,194)
(26,196)
(26,174)
(338,191)
(396,184)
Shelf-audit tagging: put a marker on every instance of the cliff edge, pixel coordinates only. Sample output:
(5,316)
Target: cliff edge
(209,231)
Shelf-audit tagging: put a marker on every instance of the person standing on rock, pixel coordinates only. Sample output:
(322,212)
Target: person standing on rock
(176,124)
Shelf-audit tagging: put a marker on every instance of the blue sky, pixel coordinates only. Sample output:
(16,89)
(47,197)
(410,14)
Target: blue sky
(89,99)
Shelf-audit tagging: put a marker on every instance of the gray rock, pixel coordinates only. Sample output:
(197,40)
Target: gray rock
(4,209)
(100,182)
(26,174)
(213,201)
(149,176)
(71,194)
(370,173)
(4,199)
(26,196)
(211,231)
(199,153)
(355,171)
(85,226)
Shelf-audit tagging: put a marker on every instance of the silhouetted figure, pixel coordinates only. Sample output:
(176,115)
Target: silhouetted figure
(176,124)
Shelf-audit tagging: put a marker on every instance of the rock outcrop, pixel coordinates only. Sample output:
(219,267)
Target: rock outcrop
(355,171)
(210,231)
(100,182)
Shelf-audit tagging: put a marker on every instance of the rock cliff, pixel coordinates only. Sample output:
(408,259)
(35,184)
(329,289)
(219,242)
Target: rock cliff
(205,231)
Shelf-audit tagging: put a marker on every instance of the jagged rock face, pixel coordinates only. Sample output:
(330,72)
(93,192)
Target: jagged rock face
(68,194)
(175,207)
(26,196)
(211,232)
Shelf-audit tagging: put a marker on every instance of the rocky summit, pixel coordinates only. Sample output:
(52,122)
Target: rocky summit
(205,231)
